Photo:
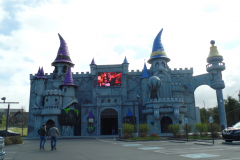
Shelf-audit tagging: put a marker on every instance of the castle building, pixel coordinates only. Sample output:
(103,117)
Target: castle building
(99,102)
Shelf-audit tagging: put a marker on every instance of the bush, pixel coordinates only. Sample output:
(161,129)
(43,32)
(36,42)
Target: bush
(128,128)
(126,136)
(200,128)
(215,126)
(7,141)
(174,129)
(16,139)
(153,135)
(144,127)
(215,134)
(143,134)
(188,129)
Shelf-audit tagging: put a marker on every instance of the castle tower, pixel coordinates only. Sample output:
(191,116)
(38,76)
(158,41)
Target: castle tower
(62,62)
(144,83)
(125,66)
(215,68)
(159,67)
(93,67)
(40,86)
(68,91)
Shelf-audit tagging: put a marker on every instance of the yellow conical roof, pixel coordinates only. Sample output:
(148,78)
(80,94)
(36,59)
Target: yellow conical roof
(213,51)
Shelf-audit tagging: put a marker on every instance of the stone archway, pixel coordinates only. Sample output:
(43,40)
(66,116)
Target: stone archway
(165,122)
(109,121)
(49,124)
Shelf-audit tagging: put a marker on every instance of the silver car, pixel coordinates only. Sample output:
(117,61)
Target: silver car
(2,152)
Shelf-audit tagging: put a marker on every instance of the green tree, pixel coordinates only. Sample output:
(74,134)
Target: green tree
(3,121)
(232,109)
(174,129)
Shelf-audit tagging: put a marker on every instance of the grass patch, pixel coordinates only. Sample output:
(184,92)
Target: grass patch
(19,130)
(144,138)
(199,137)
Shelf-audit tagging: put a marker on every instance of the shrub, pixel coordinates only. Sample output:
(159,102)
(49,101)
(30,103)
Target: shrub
(16,139)
(7,141)
(144,127)
(215,126)
(126,136)
(128,128)
(174,129)
(215,134)
(143,134)
(153,135)
(188,129)
(200,128)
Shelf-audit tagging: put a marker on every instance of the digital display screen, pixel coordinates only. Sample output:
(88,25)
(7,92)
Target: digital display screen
(107,79)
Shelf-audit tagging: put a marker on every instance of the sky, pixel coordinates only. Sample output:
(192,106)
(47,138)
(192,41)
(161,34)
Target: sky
(110,30)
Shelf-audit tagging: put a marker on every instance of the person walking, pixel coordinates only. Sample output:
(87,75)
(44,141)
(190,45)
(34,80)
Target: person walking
(53,132)
(43,135)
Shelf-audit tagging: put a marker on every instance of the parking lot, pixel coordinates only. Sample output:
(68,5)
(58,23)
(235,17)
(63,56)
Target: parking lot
(104,149)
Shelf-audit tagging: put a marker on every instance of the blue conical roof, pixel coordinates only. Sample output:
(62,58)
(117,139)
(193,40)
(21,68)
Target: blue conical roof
(129,114)
(145,73)
(125,60)
(158,50)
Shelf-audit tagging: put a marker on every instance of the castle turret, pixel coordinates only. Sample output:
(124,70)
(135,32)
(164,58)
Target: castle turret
(68,91)
(93,67)
(40,86)
(215,68)
(62,62)
(159,67)
(144,83)
(125,66)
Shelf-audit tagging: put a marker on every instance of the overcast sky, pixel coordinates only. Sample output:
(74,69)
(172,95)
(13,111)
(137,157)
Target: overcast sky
(111,30)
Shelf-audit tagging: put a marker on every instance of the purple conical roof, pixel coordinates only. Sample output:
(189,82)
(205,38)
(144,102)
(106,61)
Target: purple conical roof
(63,53)
(93,62)
(40,74)
(68,79)
(90,115)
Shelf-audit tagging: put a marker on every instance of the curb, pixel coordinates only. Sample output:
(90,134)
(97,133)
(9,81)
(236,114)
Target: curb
(230,143)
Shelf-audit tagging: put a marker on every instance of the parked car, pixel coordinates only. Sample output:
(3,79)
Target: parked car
(10,133)
(2,152)
(232,133)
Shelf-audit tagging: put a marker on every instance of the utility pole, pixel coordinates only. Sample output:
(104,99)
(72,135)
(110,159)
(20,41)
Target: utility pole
(4,98)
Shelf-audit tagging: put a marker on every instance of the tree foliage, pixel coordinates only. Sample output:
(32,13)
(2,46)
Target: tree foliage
(3,121)
(174,129)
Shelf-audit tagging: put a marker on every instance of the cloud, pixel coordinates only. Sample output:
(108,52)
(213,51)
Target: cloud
(111,30)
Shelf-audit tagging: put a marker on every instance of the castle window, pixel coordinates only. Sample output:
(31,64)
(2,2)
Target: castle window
(56,99)
(64,69)
(55,70)
(115,100)
(90,122)
(46,99)
(109,100)
(65,89)
(102,100)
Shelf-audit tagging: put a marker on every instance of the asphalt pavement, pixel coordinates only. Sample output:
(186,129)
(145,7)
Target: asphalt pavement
(110,149)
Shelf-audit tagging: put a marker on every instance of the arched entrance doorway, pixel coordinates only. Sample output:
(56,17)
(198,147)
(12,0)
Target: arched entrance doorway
(165,122)
(49,124)
(109,121)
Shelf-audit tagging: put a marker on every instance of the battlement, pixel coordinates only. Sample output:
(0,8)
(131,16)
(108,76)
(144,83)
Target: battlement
(82,74)
(165,100)
(176,84)
(182,71)
(52,92)
(136,72)
(88,105)
(47,75)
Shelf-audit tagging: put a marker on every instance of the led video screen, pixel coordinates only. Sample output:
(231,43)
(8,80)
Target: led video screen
(107,79)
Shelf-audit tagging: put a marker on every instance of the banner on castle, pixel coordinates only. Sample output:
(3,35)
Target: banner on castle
(107,79)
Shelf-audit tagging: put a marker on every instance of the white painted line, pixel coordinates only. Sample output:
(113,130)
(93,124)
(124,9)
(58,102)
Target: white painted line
(7,158)
(128,145)
(151,148)
(230,158)
(199,155)
(11,152)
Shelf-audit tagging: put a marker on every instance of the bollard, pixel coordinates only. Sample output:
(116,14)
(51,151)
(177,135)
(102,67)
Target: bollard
(119,132)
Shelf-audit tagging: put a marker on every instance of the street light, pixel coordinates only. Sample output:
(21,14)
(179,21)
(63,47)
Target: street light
(4,98)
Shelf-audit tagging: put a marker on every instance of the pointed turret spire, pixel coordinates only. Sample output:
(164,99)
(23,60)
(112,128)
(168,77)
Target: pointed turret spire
(129,114)
(68,79)
(63,53)
(90,115)
(213,50)
(40,74)
(93,62)
(145,73)
(158,50)
(125,60)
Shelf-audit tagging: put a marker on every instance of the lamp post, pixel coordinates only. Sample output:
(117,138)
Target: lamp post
(4,98)
(134,117)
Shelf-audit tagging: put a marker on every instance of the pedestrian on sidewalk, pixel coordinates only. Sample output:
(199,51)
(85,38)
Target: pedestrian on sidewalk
(43,136)
(53,132)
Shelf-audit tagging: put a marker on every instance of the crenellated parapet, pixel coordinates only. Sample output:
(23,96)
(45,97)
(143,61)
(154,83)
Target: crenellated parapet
(81,75)
(135,73)
(165,100)
(181,71)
